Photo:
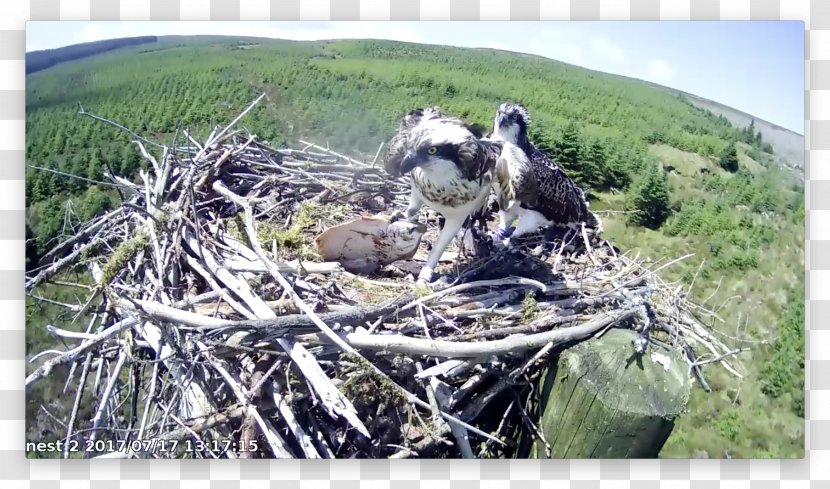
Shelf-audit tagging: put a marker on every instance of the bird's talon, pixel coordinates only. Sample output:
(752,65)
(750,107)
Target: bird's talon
(440,283)
(422,288)
(425,275)
(502,234)
(397,215)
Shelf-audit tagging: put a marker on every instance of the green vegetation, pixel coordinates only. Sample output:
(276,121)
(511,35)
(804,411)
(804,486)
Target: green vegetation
(292,239)
(700,184)
(648,199)
(40,60)
(729,158)
(783,373)
(529,308)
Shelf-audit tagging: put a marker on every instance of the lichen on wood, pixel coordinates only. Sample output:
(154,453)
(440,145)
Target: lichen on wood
(602,399)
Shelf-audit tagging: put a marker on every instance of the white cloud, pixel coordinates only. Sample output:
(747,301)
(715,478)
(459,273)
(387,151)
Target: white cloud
(555,30)
(660,71)
(91,32)
(325,30)
(565,52)
(570,53)
(608,50)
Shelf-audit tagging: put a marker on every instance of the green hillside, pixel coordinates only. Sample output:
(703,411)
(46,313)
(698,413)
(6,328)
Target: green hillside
(635,147)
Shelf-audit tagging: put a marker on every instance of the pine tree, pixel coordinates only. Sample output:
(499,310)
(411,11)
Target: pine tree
(568,149)
(594,165)
(649,197)
(729,158)
(94,167)
(95,202)
(130,161)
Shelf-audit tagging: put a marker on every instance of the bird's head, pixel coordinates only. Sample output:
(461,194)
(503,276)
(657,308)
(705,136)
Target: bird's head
(415,116)
(511,123)
(440,139)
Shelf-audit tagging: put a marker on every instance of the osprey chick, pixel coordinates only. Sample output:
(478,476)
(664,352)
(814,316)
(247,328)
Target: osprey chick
(535,189)
(450,169)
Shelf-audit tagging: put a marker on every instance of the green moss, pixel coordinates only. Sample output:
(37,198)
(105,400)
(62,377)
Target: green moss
(291,238)
(529,308)
(90,250)
(295,238)
(164,215)
(367,385)
(123,254)
(422,290)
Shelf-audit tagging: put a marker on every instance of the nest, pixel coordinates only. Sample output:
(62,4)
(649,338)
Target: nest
(219,333)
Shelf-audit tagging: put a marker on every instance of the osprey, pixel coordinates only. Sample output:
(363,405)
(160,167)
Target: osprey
(451,171)
(534,189)
(397,145)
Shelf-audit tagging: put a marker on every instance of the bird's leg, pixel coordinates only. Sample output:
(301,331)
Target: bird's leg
(415,204)
(452,224)
(529,221)
(477,217)
(506,218)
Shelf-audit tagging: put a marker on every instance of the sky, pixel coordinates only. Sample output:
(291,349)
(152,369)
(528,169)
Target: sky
(753,66)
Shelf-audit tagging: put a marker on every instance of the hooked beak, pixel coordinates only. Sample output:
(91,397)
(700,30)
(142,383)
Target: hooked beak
(410,161)
(501,119)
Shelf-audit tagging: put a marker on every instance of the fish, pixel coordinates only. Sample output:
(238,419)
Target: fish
(366,244)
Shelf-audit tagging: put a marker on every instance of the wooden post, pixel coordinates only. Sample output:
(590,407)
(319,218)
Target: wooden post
(603,400)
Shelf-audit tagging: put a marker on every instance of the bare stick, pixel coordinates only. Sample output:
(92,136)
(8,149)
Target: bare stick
(326,150)
(213,138)
(515,344)
(112,123)
(105,397)
(72,355)
(57,266)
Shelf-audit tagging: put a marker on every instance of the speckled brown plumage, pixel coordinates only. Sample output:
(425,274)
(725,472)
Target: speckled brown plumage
(451,170)
(555,195)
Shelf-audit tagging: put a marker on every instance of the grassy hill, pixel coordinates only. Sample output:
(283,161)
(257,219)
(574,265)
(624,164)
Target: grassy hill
(615,135)
(789,145)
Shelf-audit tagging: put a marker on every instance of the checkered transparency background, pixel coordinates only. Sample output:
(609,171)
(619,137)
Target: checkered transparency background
(17,471)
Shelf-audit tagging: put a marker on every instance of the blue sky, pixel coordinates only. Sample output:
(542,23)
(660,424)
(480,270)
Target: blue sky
(756,67)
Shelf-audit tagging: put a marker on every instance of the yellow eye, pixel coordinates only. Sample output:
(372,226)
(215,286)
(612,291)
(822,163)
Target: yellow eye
(432,150)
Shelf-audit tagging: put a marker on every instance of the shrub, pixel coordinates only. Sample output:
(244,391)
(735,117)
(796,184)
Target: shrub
(649,198)
(729,158)
(728,424)
(95,202)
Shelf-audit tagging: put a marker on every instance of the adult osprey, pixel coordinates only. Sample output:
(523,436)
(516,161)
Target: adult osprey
(396,148)
(536,190)
(451,171)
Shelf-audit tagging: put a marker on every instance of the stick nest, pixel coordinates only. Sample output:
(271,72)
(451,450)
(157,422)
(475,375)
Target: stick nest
(215,331)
